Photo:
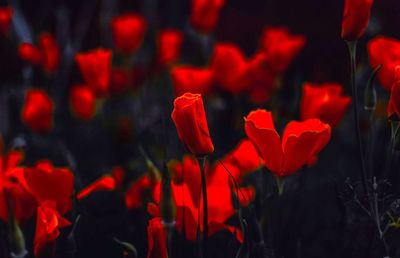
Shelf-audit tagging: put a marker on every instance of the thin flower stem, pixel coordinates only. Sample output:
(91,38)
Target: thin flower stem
(202,163)
(388,165)
(352,45)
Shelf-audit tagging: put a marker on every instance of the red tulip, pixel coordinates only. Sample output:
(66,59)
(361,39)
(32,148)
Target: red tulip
(38,110)
(23,203)
(95,67)
(394,101)
(135,195)
(355,18)
(128,32)
(230,68)
(47,183)
(190,79)
(104,183)
(6,14)
(30,53)
(280,47)
(48,225)
(300,144)
(325,102)
(190,120)
(156,239)
(82,101)
(384,51)
(205,14)
(50,52)
(169,45)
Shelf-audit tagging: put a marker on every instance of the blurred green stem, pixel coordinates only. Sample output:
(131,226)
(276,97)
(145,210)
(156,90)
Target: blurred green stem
(202,163)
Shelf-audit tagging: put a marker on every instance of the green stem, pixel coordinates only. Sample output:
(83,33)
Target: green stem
(388,166)
(202,163)
(352,45)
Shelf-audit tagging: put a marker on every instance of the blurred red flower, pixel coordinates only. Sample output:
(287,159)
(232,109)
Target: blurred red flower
(384,51)
(104,183)
(355,18)
(37,112)
(280,47)
(82,101)
(191,79)
(50,52)
(95,67)
(6,14)
(48,183)
(325,102)
(156,239)
(48,225)
(190,120)
(135,196)
(23,203)
(394,101)
(169,46)
(128,32)
(205,14)
(30,53)
(229,67)
(300,144)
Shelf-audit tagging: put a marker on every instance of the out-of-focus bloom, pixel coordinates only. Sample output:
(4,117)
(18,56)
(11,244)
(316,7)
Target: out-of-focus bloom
(47,183)
(205,14)
(394,101)
(48,225)
(104,183)
(169,46)
(384,51)
(50,52)
(135,195)
(128,32)
(6,14)
(95,67)
(280,47)
(324,101)
(355,18)
(190,120)
(30,53)
(82,101)
(119,80)
(156,239)
(301,142)
(191,79)
(23,203)
(37,112)
(229,68)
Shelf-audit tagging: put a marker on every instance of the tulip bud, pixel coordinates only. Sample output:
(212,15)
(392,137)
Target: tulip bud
(167,205)
(370,91)
(15,234)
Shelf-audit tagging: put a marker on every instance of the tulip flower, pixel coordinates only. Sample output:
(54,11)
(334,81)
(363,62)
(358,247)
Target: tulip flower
(119,81)
(355,18)
(394,101)
(38,110)
(95,67)
(136,194)
(48,225)
(169,46)
(229,67)
(48,183)
(190,79)
(324,102)
(300,144)
(6,14)
(82,101)
(104,183)
(191,123)
(50,52)
(128,31)
(156,239)
(30,53)
(384,51)
(280,47)
(205,14)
